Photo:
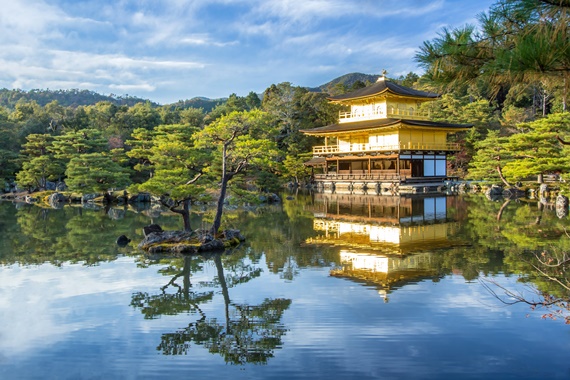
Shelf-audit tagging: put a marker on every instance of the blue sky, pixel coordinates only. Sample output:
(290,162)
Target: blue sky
(167,50)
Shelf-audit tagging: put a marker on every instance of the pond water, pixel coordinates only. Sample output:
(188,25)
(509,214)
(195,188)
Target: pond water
(326,286)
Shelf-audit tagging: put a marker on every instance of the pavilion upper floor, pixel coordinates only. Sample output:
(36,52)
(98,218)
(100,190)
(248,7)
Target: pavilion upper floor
(389,135)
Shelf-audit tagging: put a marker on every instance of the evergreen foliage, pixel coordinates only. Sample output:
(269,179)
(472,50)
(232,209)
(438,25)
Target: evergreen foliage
(95,173)
(516,42)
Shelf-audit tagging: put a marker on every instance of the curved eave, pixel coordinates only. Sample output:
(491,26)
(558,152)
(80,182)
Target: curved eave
(381,87)
(384,124)
(384,92)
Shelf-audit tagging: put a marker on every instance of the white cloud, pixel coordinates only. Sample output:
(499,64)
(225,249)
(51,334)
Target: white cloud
(204,40)
(305,10)
(136,87)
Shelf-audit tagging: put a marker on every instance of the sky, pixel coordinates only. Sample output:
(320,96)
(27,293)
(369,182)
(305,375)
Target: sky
(170,50)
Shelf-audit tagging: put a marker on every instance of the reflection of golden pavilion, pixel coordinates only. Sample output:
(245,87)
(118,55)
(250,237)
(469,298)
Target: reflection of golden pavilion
(394,225)
(385,241)
(385,272)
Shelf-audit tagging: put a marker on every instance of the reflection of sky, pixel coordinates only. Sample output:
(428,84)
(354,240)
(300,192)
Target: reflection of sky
(76,321)
(41,305)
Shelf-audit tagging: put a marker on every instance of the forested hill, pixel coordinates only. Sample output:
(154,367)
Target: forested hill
(198,102)
(73,98)
(348,80)
(66,98)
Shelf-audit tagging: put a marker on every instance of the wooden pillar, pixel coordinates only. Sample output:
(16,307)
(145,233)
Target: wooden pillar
(398,164)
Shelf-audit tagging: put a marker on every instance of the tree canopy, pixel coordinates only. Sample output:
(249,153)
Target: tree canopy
(516,41)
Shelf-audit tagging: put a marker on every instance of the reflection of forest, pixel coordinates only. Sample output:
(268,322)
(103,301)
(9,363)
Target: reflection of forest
(34,235)
(467,235)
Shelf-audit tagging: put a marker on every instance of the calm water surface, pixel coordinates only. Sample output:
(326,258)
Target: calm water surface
(326,286)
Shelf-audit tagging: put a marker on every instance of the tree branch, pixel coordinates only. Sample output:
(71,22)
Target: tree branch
(562,141)
(193,180)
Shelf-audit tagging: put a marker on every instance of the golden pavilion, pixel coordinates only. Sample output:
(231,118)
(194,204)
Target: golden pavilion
(383,142)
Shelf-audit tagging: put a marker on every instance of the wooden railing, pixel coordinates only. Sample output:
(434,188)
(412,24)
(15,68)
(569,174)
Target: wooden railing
(367,148)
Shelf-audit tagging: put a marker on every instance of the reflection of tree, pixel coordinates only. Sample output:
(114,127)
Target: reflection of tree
(534,244)
(181,301)
(249,334)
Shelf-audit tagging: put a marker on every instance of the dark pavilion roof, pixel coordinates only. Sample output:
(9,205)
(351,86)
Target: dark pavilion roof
(381,86)
(380,123)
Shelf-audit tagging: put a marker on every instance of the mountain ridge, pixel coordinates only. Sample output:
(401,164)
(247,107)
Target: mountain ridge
(76,97)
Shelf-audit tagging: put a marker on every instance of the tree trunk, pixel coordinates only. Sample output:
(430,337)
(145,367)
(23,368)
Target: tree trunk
(564,94)
(224,286)
(220,208)
(185,213)
(187,271)
(224,186)
(500,171)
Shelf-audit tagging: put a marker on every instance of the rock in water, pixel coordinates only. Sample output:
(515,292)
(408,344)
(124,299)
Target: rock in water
(147,230)
(122,241)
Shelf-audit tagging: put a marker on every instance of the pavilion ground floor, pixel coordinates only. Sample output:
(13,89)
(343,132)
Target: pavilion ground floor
(382,174)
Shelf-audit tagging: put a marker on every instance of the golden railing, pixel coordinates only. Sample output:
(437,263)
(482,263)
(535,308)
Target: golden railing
(368,148)
(373,114)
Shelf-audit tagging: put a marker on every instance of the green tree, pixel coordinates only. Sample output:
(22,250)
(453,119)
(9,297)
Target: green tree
(294,109)
(176,163)
(192,116)
(75,119)
(240,144)
(252,101)
(94,173)
(9,147)
(101,115)
(295,168)
(140,151)
(38,163)
(73,143)
(30,117)
(490,155)
(537,150)
(144,115)
(516,41)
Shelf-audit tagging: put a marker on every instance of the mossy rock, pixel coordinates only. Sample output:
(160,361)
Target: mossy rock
(189,242)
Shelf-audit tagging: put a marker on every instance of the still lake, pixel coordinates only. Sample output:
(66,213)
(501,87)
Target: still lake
(325,286)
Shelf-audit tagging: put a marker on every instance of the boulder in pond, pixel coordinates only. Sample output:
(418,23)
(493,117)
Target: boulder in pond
(55,200)
(147,230)
(122,241)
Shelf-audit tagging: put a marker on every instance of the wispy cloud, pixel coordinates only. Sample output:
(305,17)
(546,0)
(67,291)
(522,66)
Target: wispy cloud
(204,40)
